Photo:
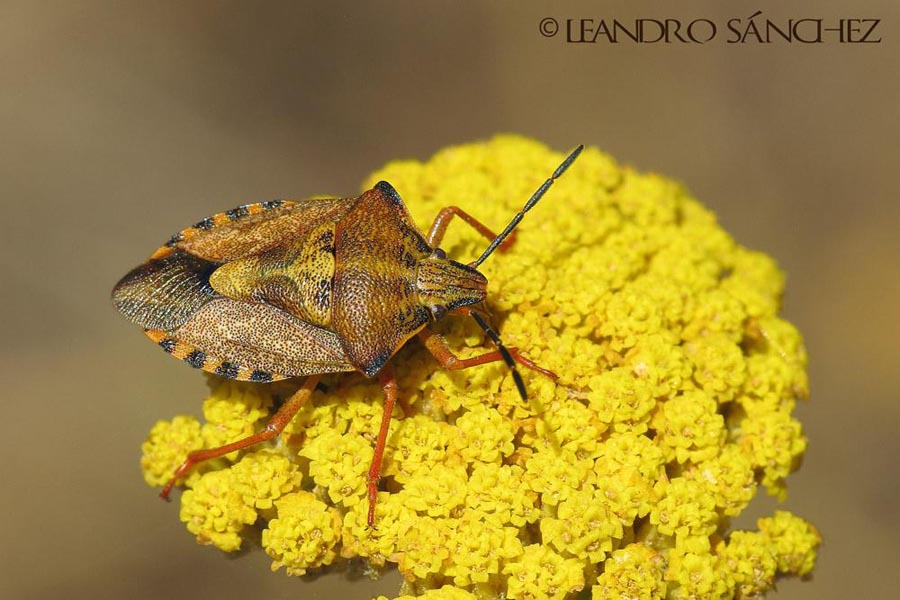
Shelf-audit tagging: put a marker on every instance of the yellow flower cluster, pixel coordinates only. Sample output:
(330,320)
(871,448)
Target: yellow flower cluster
(674,404)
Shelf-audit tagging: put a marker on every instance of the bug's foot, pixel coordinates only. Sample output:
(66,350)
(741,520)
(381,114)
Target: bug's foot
(167,489)
(530,364)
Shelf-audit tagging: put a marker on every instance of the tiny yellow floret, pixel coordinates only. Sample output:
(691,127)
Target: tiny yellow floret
(263,476)
(633,572)
(542,573)
(167,446)
(215,512)
(303,535)
(793,540)
(443,593)
(232,411)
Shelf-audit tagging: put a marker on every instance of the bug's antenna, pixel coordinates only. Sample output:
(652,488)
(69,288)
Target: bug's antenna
(528,206)
(507,357)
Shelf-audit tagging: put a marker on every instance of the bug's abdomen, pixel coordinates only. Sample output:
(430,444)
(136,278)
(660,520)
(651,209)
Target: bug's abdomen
(297,279)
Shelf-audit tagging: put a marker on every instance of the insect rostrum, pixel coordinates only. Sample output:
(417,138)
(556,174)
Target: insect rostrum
(302,288)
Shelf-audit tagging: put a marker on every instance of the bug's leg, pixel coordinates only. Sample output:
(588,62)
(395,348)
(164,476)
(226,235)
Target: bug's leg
(274,427)
(389,384)
(438,347)
(436,234)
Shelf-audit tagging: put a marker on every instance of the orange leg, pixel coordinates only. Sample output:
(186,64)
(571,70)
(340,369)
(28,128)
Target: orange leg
(436,234)
(438,347)
(274,427)
(389,383)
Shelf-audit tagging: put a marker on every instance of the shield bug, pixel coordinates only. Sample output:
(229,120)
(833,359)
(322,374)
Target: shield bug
(302,288)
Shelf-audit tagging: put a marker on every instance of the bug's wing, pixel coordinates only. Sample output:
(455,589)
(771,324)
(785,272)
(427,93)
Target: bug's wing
(164,292)
(170,296)
(174,282)
(254,228)
(252,341)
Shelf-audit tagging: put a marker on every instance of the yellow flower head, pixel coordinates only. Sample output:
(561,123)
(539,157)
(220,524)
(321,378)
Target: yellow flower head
(166,447)
(304,535)
(674,404)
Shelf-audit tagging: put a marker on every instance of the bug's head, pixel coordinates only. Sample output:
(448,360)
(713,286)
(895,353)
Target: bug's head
(444,285)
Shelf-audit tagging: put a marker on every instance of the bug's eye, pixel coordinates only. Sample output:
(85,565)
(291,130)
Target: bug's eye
(438,253)
(438,312)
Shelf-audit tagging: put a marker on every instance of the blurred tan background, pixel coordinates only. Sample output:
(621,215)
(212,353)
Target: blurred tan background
(121,123)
